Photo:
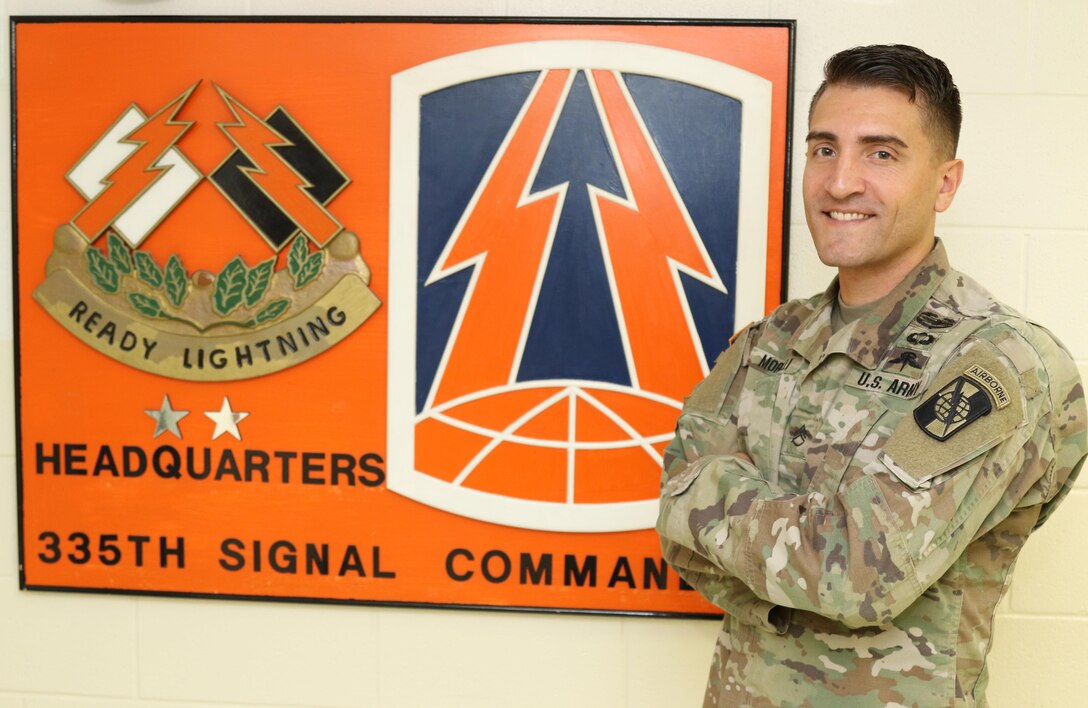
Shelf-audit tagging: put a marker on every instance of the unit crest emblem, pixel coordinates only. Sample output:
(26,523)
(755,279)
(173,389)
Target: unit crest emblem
(244,319)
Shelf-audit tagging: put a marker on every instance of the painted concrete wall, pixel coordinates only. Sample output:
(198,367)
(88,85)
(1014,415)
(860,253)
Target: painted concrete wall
(1019,225)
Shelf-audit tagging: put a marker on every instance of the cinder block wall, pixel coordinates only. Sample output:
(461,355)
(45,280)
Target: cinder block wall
(1019,225)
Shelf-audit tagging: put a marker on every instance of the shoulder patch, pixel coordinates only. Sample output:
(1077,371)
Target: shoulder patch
(975,404)
(950,410)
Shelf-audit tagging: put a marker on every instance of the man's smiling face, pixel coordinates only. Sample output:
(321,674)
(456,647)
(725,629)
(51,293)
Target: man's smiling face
(873,182)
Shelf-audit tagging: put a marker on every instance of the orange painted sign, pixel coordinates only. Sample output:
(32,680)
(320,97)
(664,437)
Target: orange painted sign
(395,312)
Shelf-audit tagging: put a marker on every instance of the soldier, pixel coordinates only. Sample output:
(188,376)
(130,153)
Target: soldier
(854,479)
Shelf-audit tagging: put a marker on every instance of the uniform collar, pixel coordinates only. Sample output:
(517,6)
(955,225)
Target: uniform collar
(868,339)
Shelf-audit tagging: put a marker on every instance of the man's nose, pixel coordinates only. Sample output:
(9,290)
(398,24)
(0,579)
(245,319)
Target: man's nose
(845,178)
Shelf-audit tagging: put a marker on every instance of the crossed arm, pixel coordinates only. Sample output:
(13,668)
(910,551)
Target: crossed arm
(861,556)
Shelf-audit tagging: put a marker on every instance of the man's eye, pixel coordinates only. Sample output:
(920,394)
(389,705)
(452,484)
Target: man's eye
(823,151)
(882,155)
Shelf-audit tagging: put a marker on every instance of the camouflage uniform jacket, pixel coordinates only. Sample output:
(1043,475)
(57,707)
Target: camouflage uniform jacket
(898,466)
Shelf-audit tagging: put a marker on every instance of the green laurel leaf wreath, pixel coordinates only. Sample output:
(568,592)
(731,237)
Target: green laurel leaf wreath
(119,253)
(296,256)
(148,270)
(270,311)
(257,281)
(177,281)
(235,285)
(145,305)
(230,286)
(103,273)
(310,269)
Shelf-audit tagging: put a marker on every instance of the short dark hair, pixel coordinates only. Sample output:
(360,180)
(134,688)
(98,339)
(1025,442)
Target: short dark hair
(924,79)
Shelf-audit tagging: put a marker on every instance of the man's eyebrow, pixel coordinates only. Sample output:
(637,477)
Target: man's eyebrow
(864,140)
(884,140)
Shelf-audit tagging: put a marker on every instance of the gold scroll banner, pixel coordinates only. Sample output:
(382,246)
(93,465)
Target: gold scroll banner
(207,357)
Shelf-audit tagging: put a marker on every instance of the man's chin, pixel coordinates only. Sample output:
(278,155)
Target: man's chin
(839,254)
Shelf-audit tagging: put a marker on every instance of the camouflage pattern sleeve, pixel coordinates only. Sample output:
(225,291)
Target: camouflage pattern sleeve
(717,392)
(901,517)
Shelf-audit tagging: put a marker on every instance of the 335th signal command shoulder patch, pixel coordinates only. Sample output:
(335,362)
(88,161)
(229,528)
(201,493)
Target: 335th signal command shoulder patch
(960,402)
(970,409)
(953,408)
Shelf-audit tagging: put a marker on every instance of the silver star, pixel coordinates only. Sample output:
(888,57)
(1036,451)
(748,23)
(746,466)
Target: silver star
(166,418)
(226,420)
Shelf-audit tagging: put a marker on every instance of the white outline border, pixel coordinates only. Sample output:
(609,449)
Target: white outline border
(407,88)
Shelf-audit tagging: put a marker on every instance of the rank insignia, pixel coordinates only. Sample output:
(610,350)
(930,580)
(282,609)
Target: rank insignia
(959,403)
(800,435)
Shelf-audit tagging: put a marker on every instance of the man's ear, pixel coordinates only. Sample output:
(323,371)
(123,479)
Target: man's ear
(951,176)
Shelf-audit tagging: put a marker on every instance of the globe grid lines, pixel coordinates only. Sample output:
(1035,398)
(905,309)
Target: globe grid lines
(571,392)
(944,408)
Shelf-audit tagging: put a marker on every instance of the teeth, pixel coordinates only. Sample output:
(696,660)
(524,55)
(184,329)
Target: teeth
(847,216)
